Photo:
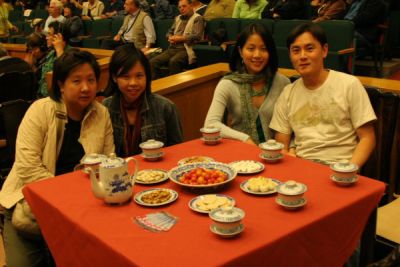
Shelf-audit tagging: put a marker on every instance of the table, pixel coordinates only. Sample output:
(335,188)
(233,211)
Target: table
(83,231)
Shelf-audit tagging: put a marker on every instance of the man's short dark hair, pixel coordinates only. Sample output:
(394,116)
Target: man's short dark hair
(314,29)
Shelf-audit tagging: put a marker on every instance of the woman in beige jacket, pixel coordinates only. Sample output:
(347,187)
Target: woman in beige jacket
(54,135)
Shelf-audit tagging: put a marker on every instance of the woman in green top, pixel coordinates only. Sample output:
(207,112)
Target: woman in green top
(5,24)
(249,9)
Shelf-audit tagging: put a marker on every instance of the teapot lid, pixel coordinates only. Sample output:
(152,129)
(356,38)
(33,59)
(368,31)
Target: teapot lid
(344,166)
(291,188)
(210,129)
(112,162)
(271,144)
(227,214)
(151,144)
(93,158)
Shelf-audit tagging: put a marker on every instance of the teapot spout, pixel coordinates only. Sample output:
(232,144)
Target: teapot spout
(97,186)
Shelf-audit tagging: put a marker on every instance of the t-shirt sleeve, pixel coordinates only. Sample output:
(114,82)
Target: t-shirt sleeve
(280,117)
(361,110)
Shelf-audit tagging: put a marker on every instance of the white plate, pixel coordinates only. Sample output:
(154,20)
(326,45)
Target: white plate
(153,157)
(243,186)
(302,203)
(344,182)
(162,179)
(189,160)
(224,235)
(138,197)
(271,160)
(193,206)
(258,166)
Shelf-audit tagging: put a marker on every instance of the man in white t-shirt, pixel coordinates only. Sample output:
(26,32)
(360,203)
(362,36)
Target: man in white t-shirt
(55,9)
(328,112)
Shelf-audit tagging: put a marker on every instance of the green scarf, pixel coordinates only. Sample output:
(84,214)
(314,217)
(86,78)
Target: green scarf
(249,111)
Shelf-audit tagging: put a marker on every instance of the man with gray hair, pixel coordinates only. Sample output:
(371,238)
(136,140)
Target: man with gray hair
(55,9)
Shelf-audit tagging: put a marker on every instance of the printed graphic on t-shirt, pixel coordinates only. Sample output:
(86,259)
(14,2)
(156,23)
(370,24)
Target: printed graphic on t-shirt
(316,111)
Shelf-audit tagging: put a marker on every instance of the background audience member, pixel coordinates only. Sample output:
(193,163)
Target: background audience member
(219,9)
(162,9)
(75,11)
(199,7)
(92,9)
(75,25)
(138,115)
(329,9)
(37,50)
(57,41)
(187,29)
(366,15)
(9,64)
(285,9)
(38,25)
(115,8)
(249,9)
(249,93)
(328,112)
(137,28)
(47,145)
(55,9)
(5,24)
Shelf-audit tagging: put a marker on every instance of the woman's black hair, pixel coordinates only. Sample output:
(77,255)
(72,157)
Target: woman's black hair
(68,61)
(61,28)
(236,62)
(313,28)
(122,60)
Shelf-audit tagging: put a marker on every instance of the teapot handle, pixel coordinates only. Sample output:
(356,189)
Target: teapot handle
(136,168)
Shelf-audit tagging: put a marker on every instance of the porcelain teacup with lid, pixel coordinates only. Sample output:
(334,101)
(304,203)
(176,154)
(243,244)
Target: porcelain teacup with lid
(152,149)
(227,220)
(271,149)
(92,161)
(291,193)
(115,183)
(211,134)
(344,172)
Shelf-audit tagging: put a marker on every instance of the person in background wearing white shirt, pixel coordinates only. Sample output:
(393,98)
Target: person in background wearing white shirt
(328,112)
(55,9)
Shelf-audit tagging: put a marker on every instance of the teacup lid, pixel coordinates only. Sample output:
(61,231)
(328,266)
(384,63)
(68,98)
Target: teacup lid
(271,144)
(151,144)
(93,158)
(227,214)
(291,188)
(112,162)
(210,129)
(344,166)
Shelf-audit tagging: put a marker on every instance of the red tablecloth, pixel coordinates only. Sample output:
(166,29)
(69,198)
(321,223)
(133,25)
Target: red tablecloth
(83,231)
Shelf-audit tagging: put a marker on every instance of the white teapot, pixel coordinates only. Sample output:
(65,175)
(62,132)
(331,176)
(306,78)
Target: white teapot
(115,183)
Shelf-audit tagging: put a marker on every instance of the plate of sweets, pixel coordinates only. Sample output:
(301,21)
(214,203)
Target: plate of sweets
(151,176)
(195,159)
(260,185)
(247,166)
(155,197)
(206,203)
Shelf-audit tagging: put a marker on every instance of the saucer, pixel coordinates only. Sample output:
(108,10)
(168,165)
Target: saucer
(211,141)
(344,181)
(302,202)
(270,160)
(239,229)
(154,157)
